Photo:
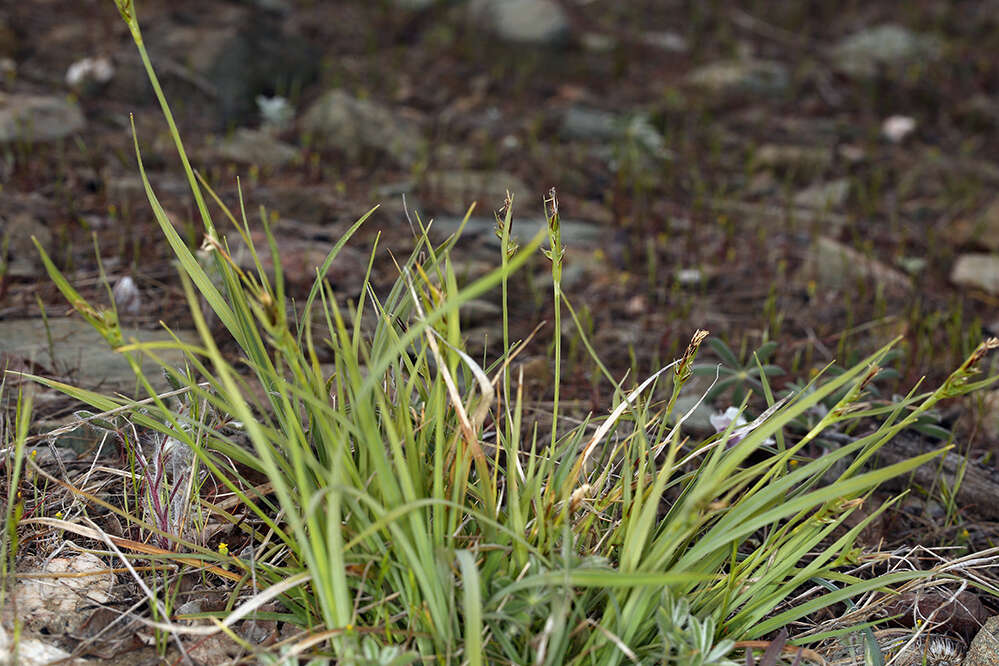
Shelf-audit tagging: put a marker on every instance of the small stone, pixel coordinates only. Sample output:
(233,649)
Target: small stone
(413,5)
(477,312)
(32,652)
(586,124)
(774,155)
(535,22)
(79,348)
(31,118)
(340,121)
(698,423)
(689,276)
(742,77)
(977,271)
(256,147)
(54,603)
(22,258)
(824,195)
(834,265)
(984,648)
(666,40)
(300,259)
(896,128)
(464,186)
(984,231)
(598,42)
(868,51)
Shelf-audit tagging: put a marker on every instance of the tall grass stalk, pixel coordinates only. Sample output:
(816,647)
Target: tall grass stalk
(556,253)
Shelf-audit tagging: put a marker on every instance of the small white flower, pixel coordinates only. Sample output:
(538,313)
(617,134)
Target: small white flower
(896,128)
(720,421)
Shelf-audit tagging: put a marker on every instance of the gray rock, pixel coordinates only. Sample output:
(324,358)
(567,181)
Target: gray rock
(338,120)
(984,648)
(224,58)
(30,118)
(587,124)
(984,231)
(774,155)
(256,147)
(537,22)
(834,265)
(867,51)
(479,312)
(698,423)
(465,186)
(413,5)
(666,40)
(977,271)
(22,258)
(598,42)
(81,351)
(824,195)
(742,77)
(590,124)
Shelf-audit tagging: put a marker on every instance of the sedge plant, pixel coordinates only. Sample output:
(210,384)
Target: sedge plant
(395,526)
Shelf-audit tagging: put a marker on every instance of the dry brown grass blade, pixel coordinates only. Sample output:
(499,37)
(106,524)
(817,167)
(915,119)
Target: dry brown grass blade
(129,544)
(788,649)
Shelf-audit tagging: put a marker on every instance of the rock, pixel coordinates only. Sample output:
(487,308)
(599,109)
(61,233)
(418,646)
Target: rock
(834,265)
(532,22)
(983,232)
(413,5)
(225,58)
(887,46)
(256,147)
(774,155)
(665,40)
(81,351)
(29,118)
(731,78)
(984,648)
(8,71)
(22,258)
(464,186)
(598,42)
(896,128)
(586,124)
(32,652)
(478,312)
(824,195)
(55,602)
(342,122)
(589,124)
(977,271)
(300,257)
(698,424)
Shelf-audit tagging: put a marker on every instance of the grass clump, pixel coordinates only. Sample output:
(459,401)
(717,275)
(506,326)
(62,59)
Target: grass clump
(400,509)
